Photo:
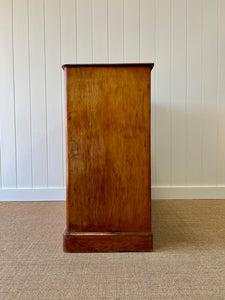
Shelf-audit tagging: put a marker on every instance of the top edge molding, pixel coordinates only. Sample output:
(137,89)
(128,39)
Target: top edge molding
(151,65)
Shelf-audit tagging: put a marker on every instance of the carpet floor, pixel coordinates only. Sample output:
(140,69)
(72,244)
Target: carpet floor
(188,261)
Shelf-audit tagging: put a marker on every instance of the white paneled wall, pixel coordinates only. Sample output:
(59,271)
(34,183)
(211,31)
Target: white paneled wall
(186,41)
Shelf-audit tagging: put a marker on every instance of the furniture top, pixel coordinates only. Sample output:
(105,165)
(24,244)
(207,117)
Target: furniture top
(110,65)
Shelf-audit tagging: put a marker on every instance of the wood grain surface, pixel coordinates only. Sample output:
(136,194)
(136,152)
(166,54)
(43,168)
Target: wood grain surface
(107,241)
(108,149)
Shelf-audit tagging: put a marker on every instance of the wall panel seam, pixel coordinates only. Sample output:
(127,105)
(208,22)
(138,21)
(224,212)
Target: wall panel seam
(92,33)
(75,15)
(124,60)
(139,29)
(107,7)
(62,117)
(14,97)
(171,95)
(202,83)
(29,78)
(46,112)
(156,73)
(217,96)
(186,95)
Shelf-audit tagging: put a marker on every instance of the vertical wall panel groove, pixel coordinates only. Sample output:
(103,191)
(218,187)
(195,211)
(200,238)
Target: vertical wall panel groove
(115,21)
(37,93)
(163,113)
(209,91)
(84,32)
(7,98)
(147,31)
(53,92)
(100,31)
(29,71)
(14,105)
(76,26)
(178,92)
(14,97)
(194,92)
(203,92)
(186,93)
(123,31)
(92,47)
(45,88)
(62,98)
(153,106)
(221,95)
(131,31)
(139,31)
(22,99)
(171,91)
(217,90)
(202,96)
(107,31)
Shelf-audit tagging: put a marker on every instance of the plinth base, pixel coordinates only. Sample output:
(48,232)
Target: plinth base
(107,241)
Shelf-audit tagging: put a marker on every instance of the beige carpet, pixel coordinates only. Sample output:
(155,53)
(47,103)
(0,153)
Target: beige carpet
(188,261)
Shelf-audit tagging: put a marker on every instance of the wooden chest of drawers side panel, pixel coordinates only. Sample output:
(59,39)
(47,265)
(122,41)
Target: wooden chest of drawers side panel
(108,154)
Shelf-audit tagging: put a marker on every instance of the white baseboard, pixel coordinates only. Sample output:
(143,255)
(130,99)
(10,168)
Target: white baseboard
(158,192)
(35,194)
(188,192)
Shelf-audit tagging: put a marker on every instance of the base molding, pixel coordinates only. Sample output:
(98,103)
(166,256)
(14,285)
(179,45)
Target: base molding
(158,192)
(107,241)
(32,194)
(188,192)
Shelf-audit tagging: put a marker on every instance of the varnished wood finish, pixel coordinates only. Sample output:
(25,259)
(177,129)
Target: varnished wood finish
(108,158)
(107,242)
